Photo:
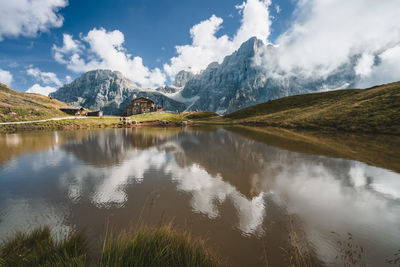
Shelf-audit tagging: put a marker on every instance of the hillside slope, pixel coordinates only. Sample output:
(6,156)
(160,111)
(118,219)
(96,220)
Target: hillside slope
(17,106)
(375,110)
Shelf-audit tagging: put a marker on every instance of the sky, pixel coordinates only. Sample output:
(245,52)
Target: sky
(47,43)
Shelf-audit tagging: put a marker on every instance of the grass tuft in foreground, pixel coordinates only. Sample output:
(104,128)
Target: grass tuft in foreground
(39,248)
(157,247)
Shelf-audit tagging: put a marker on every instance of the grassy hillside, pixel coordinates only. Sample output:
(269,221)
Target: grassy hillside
(17,106)
(374,110)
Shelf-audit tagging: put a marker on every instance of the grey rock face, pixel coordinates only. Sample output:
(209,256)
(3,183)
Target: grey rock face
(182,77)
(110,92)
(238,83)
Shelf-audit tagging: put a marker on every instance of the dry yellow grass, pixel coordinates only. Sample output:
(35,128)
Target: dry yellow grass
(17,106)
(373,110)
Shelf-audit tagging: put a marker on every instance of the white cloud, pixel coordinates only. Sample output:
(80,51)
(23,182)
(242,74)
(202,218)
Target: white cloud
(327,34)
(206,47)
(364,64)
(28,17)
(277,9)
(387,71)
(5,77)
(45,77)
(255,21)
(43,90)
(101,49)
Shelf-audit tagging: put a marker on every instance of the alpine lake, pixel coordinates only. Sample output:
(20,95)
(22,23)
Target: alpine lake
(258,196)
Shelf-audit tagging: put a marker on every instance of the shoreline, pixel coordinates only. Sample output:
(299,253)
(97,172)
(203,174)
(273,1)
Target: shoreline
(76,123)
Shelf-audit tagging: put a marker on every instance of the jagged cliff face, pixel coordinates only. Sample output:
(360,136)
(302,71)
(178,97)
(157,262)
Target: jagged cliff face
(238,82)
(230,85)
(109,91)
(182,78)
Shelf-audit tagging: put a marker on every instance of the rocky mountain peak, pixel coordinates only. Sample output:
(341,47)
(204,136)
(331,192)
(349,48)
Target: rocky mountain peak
(182,77)
(250,47)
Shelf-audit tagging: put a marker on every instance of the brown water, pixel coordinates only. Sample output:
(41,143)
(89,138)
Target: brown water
(221,184)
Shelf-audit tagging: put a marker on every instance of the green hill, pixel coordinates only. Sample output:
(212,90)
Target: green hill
(17,106)
(374,110)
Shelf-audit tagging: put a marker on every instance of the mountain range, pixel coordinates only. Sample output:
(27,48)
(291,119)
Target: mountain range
(235,83)
(110,92)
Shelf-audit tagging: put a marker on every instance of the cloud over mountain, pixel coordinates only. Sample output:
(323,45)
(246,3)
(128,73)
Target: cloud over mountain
(102,49)
(360,39)
(42,90)
(206,47)
(326,35)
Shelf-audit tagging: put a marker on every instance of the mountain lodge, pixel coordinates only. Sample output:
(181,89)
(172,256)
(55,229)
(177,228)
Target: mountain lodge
(140,105)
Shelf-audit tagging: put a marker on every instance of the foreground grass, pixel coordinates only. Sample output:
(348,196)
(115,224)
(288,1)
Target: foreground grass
(149,247)
(374,110)
(157,247)
(38,248)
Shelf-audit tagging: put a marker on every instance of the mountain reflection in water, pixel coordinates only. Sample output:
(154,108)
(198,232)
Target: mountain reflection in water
(216,182)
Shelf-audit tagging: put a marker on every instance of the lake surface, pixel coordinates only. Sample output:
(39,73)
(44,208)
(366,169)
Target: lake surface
(244,196)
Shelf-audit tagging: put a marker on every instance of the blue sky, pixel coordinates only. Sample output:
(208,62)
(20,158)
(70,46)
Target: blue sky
(151,29)
(46,43)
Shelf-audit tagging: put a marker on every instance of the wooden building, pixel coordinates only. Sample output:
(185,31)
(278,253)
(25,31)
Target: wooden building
(97,113)
(140,105)
(73,110)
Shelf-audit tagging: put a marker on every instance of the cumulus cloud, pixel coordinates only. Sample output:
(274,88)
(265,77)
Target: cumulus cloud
(101,49)
(325,35)
(206,47)
(45,77)
(28,17)
(43,90)
(5,77)
(388,69)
